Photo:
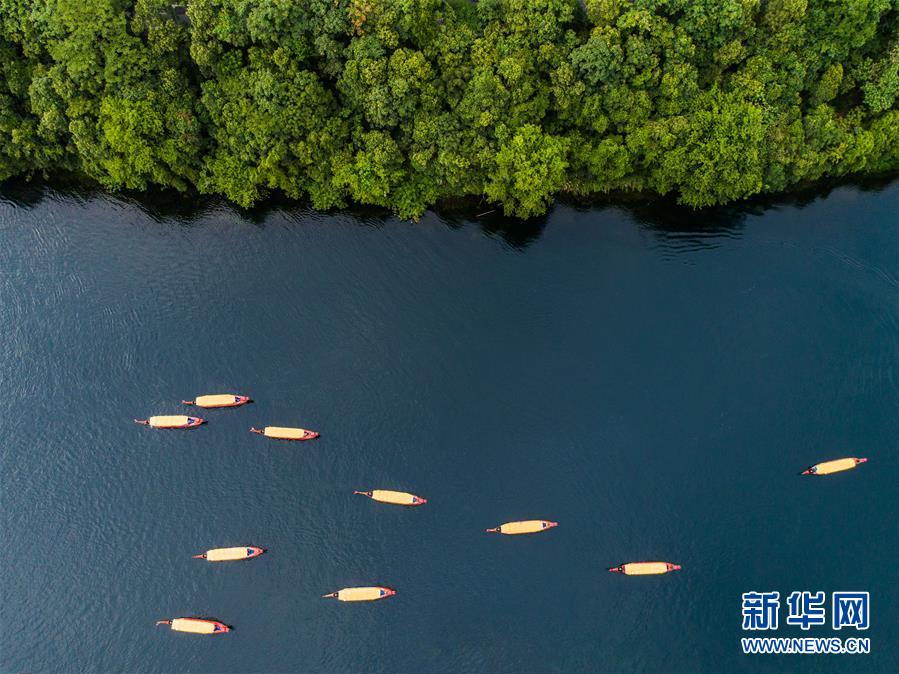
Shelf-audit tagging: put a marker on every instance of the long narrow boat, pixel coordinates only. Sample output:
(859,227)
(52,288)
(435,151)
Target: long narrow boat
(645,568)
(218,400)
(835,466)
(282,433)
(196,625)
(525,527)
(230,554)
(171,421)
(395,497)
(361,594)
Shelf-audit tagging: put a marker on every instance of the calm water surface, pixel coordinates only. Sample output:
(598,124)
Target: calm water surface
(653,379)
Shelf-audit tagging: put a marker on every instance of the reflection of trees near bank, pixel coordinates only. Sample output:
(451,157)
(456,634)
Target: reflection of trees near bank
(677,228)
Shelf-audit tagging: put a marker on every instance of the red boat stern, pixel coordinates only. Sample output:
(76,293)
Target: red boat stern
(550,525)
(193,422)
(220,627)
(311,435)
(858,461)
(388,592)
(673,567)
(253,551)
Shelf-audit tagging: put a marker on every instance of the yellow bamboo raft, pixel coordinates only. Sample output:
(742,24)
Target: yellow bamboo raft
(361,594)
(171,421)
(284,433)
(230,554)
(218,400)
(196,625)
(523,527)
(395,497)
(835,466)
(645,568)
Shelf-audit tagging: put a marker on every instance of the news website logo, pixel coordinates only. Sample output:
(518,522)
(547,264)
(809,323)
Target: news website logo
(806,610)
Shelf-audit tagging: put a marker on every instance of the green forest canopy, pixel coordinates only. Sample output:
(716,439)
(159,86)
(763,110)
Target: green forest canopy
(400,103)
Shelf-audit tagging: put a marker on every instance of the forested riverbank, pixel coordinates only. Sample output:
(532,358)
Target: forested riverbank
(402,103)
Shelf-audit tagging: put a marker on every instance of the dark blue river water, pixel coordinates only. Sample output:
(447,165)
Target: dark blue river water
(651,378)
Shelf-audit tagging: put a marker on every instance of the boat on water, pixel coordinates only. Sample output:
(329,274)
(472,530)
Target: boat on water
(218,400)
(395,497)
(523,527)
(230,554)
(360,594)
(171,421)
(645,568)
(283,433)
(195,625)
(835,466)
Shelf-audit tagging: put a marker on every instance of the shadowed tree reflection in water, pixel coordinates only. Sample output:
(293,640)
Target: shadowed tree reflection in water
(677,228)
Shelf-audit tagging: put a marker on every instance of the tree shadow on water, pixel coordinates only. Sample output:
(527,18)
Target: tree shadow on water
(675,227)
(515,233)
(161,205)
(679,228)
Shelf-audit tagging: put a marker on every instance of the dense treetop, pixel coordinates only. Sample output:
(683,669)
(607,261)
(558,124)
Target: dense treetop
(399,103)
